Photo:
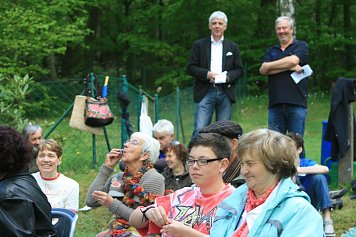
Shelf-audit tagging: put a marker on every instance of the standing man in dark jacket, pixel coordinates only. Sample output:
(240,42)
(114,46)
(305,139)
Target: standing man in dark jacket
(216,65)
(24,209)
(287,109)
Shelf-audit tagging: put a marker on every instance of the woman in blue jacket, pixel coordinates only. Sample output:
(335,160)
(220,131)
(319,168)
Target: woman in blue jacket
(269,204)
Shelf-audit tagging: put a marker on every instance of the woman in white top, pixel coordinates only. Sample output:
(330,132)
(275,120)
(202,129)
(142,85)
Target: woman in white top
(61,191)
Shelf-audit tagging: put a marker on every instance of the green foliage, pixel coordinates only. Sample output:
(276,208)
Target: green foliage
(329,42)
(150,41)
(13,94)
(43,102)
(32,30)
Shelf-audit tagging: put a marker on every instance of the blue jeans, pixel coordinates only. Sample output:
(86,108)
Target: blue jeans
(319,192)
(287,117)
(215,99)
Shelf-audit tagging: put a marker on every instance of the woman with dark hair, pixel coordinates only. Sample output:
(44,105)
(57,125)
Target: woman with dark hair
(190,211)
(24,209)
(176,175)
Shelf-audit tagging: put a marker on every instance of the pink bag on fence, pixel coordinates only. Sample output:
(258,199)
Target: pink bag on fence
(98,113)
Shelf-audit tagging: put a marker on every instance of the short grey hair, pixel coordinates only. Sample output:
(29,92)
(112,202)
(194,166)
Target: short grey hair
(285,18)
(149,145)
(218,15)
(163,126)
(31,129)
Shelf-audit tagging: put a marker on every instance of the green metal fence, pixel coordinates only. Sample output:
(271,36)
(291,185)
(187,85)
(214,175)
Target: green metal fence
(177,107)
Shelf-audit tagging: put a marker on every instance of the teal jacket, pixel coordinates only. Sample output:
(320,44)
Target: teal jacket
(289,213)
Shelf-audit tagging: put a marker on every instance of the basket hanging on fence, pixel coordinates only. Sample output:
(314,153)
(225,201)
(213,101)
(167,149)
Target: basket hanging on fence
(77,118)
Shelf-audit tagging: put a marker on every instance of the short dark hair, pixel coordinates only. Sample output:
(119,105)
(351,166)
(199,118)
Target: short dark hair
(16,151)
(179,150)
(298,139)
(216,142)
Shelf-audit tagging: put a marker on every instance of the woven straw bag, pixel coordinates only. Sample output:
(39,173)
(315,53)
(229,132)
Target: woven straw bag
(77,117)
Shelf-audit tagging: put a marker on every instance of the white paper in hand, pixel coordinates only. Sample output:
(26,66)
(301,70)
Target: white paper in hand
(220,78)
(298,76)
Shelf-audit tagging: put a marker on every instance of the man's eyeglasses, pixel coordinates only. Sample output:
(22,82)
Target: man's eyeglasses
(201,162)
(132,142)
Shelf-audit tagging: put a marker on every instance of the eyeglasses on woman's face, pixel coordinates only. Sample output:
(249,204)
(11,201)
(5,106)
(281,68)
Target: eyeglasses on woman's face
(132,142)
(201,162)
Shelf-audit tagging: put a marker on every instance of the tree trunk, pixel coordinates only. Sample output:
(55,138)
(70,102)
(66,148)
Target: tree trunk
(333,11)
(127,4)
(159,34)
(287,8)
(318,18)
(52,67)
(127,68)
(347,35)
(94,24)
(264,23)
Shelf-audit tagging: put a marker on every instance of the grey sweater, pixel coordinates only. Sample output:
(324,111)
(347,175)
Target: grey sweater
(151,181)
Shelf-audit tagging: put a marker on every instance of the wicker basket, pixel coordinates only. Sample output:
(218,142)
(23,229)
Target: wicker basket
(77,118)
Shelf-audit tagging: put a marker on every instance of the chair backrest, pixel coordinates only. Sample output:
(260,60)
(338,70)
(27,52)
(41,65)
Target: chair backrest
(64,220)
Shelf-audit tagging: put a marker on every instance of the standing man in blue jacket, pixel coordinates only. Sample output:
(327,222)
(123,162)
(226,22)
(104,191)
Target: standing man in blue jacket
(287,109)
(216,65)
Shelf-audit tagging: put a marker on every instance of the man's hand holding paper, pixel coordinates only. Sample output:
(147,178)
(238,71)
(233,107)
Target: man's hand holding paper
(298,76)
(221,78)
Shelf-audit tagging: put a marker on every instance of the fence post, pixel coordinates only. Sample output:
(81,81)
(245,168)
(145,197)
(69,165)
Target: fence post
(156,108)
(177,114)
(124,89)
(139,104)
(92,87)
(59,120)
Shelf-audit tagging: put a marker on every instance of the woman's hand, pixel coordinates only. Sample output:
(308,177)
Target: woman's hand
(113,157)
(158,216)
(103,198)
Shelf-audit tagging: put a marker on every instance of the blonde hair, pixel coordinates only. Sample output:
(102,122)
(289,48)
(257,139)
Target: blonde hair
(50,145)
(276,151)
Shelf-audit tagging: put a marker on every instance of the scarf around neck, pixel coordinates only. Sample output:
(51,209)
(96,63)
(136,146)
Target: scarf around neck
(251,203)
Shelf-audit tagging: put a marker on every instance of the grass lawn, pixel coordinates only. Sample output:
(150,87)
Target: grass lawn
(251,113)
